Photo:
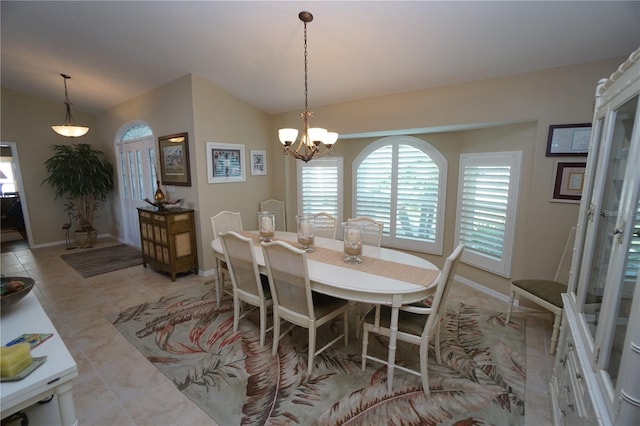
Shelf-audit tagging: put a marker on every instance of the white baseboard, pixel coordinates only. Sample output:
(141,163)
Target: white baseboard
(207,273)
(63,242)
(481,288)
(493,293)
(50,244)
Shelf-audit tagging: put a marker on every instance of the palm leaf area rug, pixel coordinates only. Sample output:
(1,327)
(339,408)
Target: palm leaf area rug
(480,381)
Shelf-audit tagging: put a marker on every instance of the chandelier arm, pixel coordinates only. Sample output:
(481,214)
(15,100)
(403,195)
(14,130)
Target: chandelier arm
(319,151)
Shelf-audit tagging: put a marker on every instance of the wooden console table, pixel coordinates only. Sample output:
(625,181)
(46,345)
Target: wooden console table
(54,377)
(168,240)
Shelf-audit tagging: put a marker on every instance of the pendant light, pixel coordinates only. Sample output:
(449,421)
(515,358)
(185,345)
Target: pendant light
(314,142)
(69,129)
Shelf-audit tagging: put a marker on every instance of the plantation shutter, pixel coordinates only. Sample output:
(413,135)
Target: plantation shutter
(417,195)
(399,180)
(320,187)
(374,186)
(487,199)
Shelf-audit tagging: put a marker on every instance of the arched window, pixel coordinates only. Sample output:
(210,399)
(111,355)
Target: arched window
(401,181)
(136,132)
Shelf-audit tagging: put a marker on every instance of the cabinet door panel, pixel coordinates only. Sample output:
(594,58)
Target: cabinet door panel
(624,297)
(608,210)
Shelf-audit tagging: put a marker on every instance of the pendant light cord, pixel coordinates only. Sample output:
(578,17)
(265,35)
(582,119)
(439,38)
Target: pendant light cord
(306,84)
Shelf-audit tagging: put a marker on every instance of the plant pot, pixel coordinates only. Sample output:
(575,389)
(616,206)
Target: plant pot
(86,239)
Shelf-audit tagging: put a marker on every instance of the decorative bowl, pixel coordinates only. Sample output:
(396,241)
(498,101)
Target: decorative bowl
(11,295)
(165,204)
(172,204)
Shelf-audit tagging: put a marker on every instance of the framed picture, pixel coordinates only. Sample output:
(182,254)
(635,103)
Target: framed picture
(225,162)
(258,163)
(174,159)
(569,140)
(569,181)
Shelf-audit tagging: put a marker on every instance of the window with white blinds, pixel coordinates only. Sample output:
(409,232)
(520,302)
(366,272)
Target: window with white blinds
(400,181)
(488,187)
(320,186)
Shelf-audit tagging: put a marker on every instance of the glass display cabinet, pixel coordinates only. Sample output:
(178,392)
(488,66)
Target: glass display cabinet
(596,377)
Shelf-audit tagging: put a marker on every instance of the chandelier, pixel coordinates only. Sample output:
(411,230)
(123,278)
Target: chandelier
(69,129)
(314,142)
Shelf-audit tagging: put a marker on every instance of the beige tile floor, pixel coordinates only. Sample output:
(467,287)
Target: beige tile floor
(106,392)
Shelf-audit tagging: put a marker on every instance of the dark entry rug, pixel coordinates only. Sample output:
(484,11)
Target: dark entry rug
(107,259)
(228,375)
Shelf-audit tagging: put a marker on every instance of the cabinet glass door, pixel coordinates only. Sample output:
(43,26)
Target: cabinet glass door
(623,301)
(587,206)
(608,210)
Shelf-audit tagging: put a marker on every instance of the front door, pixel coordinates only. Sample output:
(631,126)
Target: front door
(137,181)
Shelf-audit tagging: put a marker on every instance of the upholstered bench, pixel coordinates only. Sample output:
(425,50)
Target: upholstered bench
(546,293)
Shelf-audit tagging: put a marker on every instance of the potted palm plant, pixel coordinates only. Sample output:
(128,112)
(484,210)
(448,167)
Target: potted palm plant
(85,176)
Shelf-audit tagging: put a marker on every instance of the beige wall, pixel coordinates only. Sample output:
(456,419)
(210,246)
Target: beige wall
(518,110)
(208,114)
(27,122)
(220,117)
(166,110)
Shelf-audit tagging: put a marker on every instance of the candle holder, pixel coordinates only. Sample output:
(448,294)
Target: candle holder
(352,242)
(305,232)
(266,225)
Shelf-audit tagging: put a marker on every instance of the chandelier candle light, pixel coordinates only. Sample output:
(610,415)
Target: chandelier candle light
(314,142)
(67,128)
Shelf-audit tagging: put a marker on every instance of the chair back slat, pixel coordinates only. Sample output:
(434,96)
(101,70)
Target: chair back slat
(226,221)
(277,207)
(241,262)
(289,278)
(324,225)
(442,291)
(371,230)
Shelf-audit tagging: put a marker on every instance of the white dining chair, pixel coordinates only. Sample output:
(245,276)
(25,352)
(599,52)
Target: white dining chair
(416,324)
(224,221)
(277,207)
(371,230)
(294,301)
(547,293)
(248,285)
(324,225)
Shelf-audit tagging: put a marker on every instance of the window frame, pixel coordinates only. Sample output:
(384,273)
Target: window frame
(390,240)
(514,160)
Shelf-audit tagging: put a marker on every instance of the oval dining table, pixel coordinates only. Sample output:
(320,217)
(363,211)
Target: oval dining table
(385,276)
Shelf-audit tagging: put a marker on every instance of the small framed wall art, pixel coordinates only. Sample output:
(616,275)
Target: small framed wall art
(569,140)
(258,162)
(569,181)
(174,159)
(225,163)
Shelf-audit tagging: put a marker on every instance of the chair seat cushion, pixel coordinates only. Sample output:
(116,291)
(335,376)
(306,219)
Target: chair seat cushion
(547,290)
(323,304)
(408,322)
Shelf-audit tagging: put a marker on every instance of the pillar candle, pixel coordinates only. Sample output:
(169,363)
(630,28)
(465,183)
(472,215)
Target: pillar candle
(353,236)
(306,228)
(267,224)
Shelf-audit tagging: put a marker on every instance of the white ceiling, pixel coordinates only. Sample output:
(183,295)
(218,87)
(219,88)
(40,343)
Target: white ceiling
(117,50)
